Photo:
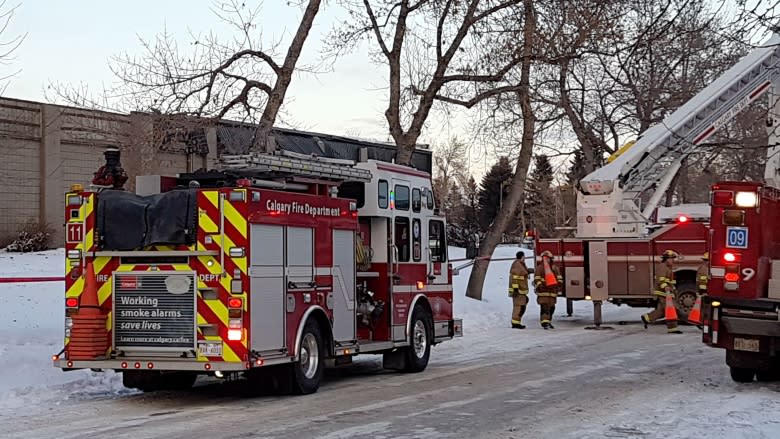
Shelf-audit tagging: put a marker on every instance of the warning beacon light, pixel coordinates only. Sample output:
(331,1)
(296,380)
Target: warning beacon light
(682,219)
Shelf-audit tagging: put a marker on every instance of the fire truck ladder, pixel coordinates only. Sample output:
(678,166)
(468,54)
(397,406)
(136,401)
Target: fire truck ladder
(289,163)
(652,163)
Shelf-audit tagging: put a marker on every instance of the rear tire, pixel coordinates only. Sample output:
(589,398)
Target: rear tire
(685,299)
(742,375)
(144,381)
(310,368)
(767,376)
(419,350)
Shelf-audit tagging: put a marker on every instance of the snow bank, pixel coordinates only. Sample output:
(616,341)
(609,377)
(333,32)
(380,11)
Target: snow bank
(31,331)
(31,327)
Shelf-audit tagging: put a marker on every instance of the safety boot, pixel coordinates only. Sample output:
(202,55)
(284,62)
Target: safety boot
(518,326)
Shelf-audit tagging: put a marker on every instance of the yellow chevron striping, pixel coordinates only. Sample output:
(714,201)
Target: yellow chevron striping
(212,197)
(206,223)
(235,218)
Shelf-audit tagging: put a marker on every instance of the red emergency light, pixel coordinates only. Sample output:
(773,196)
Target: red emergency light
(731,277)
(730,257)
(722,198)
(682,219)
(71,302)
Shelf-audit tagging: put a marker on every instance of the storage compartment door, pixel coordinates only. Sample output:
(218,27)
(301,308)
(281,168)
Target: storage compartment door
(599,270)
(343,285)
(266,297)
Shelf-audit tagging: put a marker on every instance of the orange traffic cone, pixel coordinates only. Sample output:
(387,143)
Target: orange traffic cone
(88,337)
(88,303)
(670,312)
(694,316)
(549,277)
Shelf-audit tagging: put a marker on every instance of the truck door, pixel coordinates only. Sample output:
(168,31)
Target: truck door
(437,252)
(266,278)
(343,285)
(598,270)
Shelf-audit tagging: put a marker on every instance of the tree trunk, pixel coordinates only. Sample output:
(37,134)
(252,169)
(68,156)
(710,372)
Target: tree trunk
(283,79)
(511,202)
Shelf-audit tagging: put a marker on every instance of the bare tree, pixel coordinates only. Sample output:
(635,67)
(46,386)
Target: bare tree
(243,77)
(434,49)
(523,93)
(7,45)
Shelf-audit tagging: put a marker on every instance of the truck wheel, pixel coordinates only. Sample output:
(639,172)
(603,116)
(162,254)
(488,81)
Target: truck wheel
(742,375)
(179,380)
(145,381)
(767,375)
(310,368)
(419,350)
(686,298)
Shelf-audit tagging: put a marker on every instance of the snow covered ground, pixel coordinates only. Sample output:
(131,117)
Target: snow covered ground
(31,320)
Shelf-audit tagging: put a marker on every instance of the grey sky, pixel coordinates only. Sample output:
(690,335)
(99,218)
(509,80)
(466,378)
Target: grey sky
(72,42)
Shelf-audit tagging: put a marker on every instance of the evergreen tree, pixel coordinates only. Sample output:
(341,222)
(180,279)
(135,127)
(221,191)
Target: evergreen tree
(539,206)
(493,189)
(576,170)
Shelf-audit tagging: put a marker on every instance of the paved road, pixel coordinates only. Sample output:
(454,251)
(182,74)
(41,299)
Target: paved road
(498,384)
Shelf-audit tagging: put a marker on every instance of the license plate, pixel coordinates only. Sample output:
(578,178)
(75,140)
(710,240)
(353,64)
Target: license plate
(746,344)
(210,349)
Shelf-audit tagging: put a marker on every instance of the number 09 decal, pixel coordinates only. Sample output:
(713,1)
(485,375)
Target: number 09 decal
(748,273)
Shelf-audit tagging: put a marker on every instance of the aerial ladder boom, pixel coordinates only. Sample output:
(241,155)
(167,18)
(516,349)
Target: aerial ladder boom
(610,201)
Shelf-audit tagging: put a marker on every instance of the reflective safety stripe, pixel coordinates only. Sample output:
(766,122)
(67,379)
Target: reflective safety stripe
(518,277)
(515,286)
(544,321)
(702,286)
(517,322)
(547,294)
(659,293)
(519,291)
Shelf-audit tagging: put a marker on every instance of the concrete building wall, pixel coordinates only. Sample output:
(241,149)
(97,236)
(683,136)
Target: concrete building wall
(46,148)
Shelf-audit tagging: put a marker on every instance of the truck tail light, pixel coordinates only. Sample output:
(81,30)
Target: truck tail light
(235,302)
(732,277)
(722,198)
(71,302)
(731,257)
(746,199)
(235,334)
(682,219)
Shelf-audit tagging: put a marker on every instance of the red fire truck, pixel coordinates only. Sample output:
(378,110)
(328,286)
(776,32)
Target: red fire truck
(620,235)
(743,306)
(268,267)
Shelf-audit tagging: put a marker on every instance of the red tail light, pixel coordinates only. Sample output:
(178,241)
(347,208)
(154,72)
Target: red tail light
(731,277)
(235,302)
(682,219)
(722,198)
(730,257)
(71,302)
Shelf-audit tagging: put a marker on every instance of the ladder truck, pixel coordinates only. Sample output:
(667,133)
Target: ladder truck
(742,308)
(267,268)
(619,237)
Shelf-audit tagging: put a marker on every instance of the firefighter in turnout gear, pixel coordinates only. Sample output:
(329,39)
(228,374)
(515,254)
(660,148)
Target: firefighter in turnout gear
(665,286)
(703,274)
(518,289)
(547,284)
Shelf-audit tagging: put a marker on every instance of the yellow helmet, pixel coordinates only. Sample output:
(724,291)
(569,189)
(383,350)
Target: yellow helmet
(705,256)
(669,254)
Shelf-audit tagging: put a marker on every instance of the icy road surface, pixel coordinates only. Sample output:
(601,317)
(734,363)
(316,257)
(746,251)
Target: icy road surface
(495,382)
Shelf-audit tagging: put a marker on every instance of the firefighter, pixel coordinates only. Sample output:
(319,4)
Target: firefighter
(665,285)
(703,274)
(547,283)
(518,289)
